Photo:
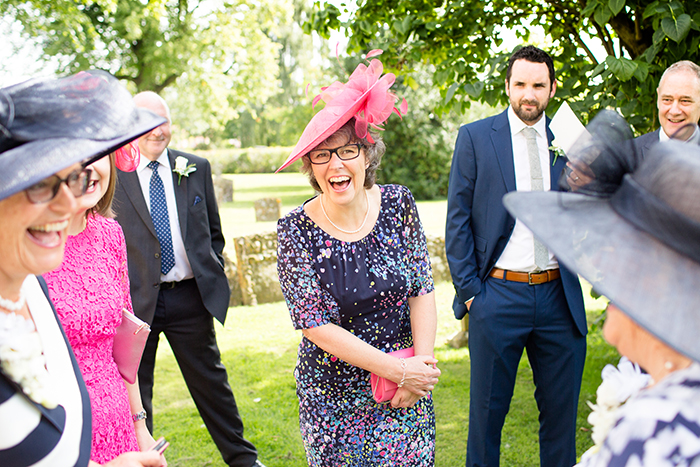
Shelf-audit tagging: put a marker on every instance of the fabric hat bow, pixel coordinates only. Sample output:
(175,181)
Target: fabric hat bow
(365,96)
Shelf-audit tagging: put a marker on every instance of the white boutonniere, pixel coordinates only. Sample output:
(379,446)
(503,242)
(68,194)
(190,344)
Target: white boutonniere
(618,386)
(22,359)
(182,168)
(557,152)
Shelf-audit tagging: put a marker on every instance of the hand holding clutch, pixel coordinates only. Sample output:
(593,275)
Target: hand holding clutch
(384,389)
(129,343)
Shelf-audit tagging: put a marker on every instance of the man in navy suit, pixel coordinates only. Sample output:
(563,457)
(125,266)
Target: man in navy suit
(176,269)
(678,101)
(517,295)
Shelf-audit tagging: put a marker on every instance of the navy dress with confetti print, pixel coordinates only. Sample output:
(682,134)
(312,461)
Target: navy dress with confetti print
(364,287)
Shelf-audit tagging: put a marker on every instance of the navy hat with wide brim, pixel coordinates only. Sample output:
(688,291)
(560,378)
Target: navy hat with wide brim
(640,247)
(47,125)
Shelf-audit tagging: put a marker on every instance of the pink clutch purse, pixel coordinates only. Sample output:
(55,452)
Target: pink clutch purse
(383,389)
(129,343)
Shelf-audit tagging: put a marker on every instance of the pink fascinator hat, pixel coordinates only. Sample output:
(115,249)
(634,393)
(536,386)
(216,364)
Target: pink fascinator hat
(365,96)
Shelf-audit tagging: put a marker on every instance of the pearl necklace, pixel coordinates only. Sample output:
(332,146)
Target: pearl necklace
(342,230)
(11,305)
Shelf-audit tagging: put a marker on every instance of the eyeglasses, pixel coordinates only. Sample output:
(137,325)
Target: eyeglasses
(47,189)
(344,153)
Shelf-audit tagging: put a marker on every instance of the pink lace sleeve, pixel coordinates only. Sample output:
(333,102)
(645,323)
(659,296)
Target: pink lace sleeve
(124,271)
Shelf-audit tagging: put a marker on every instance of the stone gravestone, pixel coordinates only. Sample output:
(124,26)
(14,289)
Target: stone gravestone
(257,268)
(268,209)
(223,189)
(234,283)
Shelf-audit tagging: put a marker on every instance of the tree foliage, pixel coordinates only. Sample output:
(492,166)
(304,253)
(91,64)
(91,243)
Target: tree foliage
(608,53)
(419,146)
(212,57)
(282,118)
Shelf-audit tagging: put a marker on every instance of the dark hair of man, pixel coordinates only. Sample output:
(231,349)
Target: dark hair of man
(534,55)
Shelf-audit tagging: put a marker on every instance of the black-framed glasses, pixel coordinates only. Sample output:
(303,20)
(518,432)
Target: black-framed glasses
(47,189)
(344,153)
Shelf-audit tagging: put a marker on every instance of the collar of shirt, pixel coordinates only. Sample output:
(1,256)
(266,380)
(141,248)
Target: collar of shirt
(517,125)
(162,159)
(695,137)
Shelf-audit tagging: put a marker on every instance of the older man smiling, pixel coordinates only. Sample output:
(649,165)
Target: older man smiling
(679,105)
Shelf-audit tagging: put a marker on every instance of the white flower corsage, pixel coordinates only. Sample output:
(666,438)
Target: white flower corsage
(619,385)
(182,168)
(22,359)
(557,152)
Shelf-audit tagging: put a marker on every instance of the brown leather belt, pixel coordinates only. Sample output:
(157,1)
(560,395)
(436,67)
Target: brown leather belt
(532,278)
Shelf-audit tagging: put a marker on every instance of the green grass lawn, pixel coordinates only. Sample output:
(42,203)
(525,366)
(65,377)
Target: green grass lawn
(258,346)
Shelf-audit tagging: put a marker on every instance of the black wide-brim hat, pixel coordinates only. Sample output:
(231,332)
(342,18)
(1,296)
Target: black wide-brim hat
(640,247)
(47,125)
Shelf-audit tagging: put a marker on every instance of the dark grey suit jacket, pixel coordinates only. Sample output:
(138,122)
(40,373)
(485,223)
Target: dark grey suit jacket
(644,143)
(201,233)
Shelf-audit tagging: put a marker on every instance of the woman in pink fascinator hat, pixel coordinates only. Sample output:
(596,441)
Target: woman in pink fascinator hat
(355,272)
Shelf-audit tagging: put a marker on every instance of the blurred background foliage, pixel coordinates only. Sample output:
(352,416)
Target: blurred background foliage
(242,73)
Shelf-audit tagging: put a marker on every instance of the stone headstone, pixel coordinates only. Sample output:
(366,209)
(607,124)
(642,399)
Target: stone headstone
(223,189)
(256,257)
(231,270)
(268,209)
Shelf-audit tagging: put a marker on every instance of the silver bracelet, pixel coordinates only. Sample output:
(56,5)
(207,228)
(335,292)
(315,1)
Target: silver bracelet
(139,416)
(403,367)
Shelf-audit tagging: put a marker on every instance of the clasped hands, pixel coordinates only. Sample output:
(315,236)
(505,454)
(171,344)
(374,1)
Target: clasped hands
(421,377)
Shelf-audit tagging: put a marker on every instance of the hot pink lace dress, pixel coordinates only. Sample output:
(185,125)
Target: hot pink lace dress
(89,290)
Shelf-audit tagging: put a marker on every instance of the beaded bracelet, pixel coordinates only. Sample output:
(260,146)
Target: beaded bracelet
(139,416)
(403,367)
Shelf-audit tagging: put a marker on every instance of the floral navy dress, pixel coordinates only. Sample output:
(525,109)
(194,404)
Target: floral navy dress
(362,286)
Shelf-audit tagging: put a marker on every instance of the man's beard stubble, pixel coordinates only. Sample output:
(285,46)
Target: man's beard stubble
(529,116)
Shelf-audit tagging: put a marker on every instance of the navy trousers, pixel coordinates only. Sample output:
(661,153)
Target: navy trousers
(506,318)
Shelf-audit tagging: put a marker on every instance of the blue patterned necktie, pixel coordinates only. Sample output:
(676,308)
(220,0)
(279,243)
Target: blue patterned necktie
(161,221)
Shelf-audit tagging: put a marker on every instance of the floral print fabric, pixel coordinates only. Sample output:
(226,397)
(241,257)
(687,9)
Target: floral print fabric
(364,287)
(659,427)
(89,291)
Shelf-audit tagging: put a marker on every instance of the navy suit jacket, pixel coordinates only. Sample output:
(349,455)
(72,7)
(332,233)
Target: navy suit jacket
(200,225)
(478,225)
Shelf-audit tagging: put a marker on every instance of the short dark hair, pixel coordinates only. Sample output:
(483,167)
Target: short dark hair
(534,55)
(373,153)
